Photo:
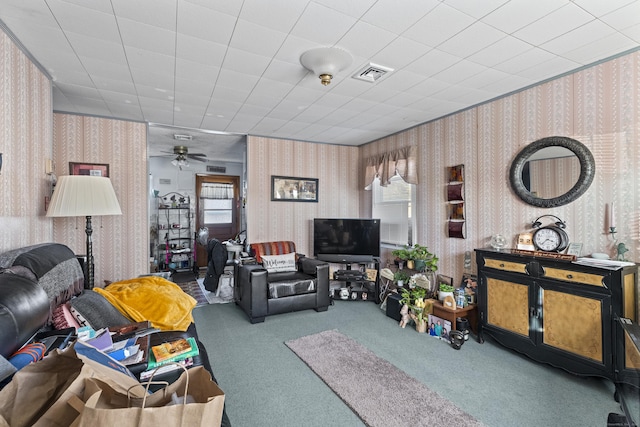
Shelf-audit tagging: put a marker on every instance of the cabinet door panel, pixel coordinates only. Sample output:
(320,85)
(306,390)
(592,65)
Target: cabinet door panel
(508,305)
(573,323)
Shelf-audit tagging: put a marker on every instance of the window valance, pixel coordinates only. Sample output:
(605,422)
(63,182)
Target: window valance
(216,191)
(384,166)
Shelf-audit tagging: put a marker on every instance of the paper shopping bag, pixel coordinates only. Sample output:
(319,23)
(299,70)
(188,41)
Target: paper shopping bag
(108,407)
(37,394)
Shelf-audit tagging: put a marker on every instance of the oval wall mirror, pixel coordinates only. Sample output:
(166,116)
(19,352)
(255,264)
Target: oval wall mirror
(552,171)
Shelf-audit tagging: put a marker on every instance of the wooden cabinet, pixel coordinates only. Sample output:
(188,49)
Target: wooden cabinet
(559,312)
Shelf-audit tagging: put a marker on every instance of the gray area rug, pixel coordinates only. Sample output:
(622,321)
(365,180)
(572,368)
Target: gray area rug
(225,294)
(378,392)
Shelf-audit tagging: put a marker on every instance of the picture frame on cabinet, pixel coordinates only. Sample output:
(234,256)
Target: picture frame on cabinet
(574,249)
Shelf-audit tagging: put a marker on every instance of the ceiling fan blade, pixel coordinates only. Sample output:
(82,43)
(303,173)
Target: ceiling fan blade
(196,157)
(198,154)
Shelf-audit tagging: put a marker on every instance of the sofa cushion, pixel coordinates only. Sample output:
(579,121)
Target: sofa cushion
(95,309)
(272,248)
(278,263)
(287,289)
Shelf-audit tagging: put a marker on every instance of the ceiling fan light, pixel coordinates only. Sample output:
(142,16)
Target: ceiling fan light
(174,162)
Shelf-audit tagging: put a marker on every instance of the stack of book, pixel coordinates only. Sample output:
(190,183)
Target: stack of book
(170,356)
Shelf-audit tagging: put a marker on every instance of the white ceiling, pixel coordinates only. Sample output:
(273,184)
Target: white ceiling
(233,66)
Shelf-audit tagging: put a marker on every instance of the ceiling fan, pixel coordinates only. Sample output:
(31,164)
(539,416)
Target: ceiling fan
(183,156)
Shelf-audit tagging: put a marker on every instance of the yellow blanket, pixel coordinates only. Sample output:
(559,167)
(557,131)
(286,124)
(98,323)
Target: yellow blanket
(152,298)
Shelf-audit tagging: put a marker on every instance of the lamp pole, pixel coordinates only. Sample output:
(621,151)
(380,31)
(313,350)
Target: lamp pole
(89,267)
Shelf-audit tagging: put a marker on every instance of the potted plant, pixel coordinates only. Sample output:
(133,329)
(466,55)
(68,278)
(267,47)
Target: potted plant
(402,255)
(424,260)
(401,277)
(417,309)
(444,290)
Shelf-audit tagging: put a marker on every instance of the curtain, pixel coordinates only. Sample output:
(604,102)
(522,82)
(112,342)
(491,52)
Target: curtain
(402,161)
(216,191)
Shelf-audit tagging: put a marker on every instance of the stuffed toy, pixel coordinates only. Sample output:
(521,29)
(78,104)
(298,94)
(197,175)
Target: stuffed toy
(404,312)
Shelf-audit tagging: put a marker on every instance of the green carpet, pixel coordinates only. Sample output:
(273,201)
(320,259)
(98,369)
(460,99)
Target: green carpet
(268,385)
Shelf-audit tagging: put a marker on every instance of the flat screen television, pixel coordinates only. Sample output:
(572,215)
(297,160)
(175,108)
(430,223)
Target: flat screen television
(346,240)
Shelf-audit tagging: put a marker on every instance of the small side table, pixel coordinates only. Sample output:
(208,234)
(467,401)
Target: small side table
(470,312)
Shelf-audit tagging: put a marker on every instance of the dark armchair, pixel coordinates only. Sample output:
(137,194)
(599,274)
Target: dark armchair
(261,293)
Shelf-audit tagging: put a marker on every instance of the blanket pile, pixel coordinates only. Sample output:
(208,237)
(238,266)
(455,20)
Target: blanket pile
(152,298)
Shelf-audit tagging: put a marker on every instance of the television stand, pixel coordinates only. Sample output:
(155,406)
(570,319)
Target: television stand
(362,284)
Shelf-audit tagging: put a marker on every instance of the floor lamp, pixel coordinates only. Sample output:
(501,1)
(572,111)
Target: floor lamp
(84,195)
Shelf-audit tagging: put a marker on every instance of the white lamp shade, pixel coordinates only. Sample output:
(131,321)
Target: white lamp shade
(83,195)
(325,60)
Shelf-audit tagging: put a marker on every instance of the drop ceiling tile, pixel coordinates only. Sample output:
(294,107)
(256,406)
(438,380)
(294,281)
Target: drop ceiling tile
(439,25)
(158,115)
(508,84)
(485,78)
(107,69)
(154,93)
(379,93)
(131,112)
(551,68)
(240,83)
(159,13)
(72,90)
(583,36)
(253,110)
(266,126)
(148,60)
(477,9)
(228,95)
(197,103)
(601,48)
(272,89)
(401,80)
(91,47)
(558,22)
(285,71)
(292,48)
(469,96)
(459,71)
(256,38)
(388,15)
(517,14)
(213,122)
(351,8)
(599,8)
(523,61)
(245,62)
(432,62)
(322,25)
(500,51)
(163,82)
(204,23)
(196,72)
(84,20)
(230,7)
(430,87)
(471,40)
(403,99)
(280,15)
(147,37)
(36,13)
(333,100)
(633,33)
(365,39)
(314,113)
(346,86)
(399,53)
(117,97)
(624,17)
(191,87)
(286,110)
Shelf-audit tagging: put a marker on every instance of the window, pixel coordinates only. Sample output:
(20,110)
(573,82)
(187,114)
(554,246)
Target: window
(395,206)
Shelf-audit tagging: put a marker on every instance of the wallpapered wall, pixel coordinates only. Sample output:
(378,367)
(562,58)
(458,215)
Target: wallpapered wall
(25,143)
(120,243)
(334,166)
(599,106)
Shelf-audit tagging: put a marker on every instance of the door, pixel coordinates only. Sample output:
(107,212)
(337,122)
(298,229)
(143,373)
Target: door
(217,209)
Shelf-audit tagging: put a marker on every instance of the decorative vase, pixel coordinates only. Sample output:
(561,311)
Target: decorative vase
(410,264)
(421,326)
(420,264)
(443,295)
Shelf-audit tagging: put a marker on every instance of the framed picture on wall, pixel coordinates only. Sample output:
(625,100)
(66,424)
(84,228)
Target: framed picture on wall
(91,169)
(292,189)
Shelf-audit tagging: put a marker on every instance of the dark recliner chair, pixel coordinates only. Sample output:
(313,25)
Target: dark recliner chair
(261,293)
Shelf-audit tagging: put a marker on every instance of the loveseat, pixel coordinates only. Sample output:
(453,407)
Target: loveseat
(280,281)
(36,281)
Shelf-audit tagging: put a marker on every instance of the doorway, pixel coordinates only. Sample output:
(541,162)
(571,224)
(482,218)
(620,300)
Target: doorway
(217,209)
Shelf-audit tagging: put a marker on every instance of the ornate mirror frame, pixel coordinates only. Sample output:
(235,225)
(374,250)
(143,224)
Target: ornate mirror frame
(587,171)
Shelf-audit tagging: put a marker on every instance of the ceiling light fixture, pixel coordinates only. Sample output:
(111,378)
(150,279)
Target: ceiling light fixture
(325,62)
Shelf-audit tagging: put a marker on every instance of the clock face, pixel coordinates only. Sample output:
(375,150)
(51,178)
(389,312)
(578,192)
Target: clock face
(549,239)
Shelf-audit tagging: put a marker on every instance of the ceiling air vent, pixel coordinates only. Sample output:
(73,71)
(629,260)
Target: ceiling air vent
(179,137)
(216,169)
(372,73)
